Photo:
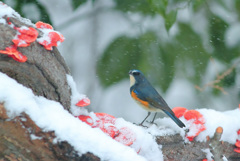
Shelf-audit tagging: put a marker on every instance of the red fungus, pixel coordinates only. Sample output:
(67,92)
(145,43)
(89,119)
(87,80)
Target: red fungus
(193,114)
(206,159)
(106,118)
(83,102)
(14,53)
(106,122)
(126,136)
(25,36)
(87,119)
(50,37)
(8,21)
(198,123)
(110,130)
(179,111)
(54,39)
(237,144)
(190,138)
(237,150)
(43,25)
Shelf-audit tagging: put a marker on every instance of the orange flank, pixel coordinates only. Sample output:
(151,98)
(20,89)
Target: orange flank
(144,103)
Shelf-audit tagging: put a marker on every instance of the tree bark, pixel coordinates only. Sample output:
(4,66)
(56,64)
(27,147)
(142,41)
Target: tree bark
(45,73)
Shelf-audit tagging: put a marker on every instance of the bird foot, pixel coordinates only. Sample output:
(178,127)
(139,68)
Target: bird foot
(186,130)
(151,122)
(142,125)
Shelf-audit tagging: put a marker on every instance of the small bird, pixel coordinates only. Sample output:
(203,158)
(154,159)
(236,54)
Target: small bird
(145,95)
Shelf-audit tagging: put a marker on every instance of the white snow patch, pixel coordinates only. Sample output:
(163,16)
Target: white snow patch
(224,158)
(209,155)
(34,137)
(23,119)
(7,11)
(145,142)
(3,21)
(75,97)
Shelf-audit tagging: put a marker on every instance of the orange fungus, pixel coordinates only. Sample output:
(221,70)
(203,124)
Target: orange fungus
(25,36)
(14,53)
(83,102)
(43,25)
(179,111)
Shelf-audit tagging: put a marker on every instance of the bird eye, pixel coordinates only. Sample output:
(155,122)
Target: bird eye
(136,73)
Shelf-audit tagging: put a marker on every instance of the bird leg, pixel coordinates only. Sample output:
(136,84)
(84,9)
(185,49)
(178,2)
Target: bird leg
(145,118)
(154,118)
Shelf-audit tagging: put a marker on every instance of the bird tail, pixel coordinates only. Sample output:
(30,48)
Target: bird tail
(175,119)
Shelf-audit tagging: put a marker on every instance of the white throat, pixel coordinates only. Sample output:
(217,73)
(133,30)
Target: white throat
(132,80)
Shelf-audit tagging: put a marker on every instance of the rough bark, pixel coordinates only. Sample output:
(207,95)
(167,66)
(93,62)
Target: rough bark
(45,73)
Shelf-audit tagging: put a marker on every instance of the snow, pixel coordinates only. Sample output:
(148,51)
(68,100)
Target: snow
(9,12)
(151,150)
(209,155)
(224,158)
(44,36)
(75,97)
(34,137)
(3,21)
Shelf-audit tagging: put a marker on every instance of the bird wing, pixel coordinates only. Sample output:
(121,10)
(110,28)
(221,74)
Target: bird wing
(152,97)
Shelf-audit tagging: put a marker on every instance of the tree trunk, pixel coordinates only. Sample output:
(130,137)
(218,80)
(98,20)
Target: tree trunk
(45,73)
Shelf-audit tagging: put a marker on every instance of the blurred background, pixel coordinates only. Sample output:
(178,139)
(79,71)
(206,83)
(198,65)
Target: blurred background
(189,50)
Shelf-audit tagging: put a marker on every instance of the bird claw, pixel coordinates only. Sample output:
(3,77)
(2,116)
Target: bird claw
(151,122)
(142,125)
(186,130)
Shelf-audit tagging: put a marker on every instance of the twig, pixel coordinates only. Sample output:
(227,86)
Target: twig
(216,145)
(213,83)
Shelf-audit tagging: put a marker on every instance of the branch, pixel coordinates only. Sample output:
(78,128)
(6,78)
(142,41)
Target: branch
(214,83)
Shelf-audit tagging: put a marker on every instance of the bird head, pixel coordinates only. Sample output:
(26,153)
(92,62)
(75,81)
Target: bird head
(136,76)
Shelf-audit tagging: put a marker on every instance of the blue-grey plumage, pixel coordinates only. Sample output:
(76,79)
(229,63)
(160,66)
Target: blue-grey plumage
(145,95)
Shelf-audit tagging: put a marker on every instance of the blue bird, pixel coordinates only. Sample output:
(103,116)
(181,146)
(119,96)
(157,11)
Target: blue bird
(145,95)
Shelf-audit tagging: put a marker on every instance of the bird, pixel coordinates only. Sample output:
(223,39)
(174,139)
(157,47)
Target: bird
(147,97)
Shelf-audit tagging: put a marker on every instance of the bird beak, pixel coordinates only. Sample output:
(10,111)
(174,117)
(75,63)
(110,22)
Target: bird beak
(130,72)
